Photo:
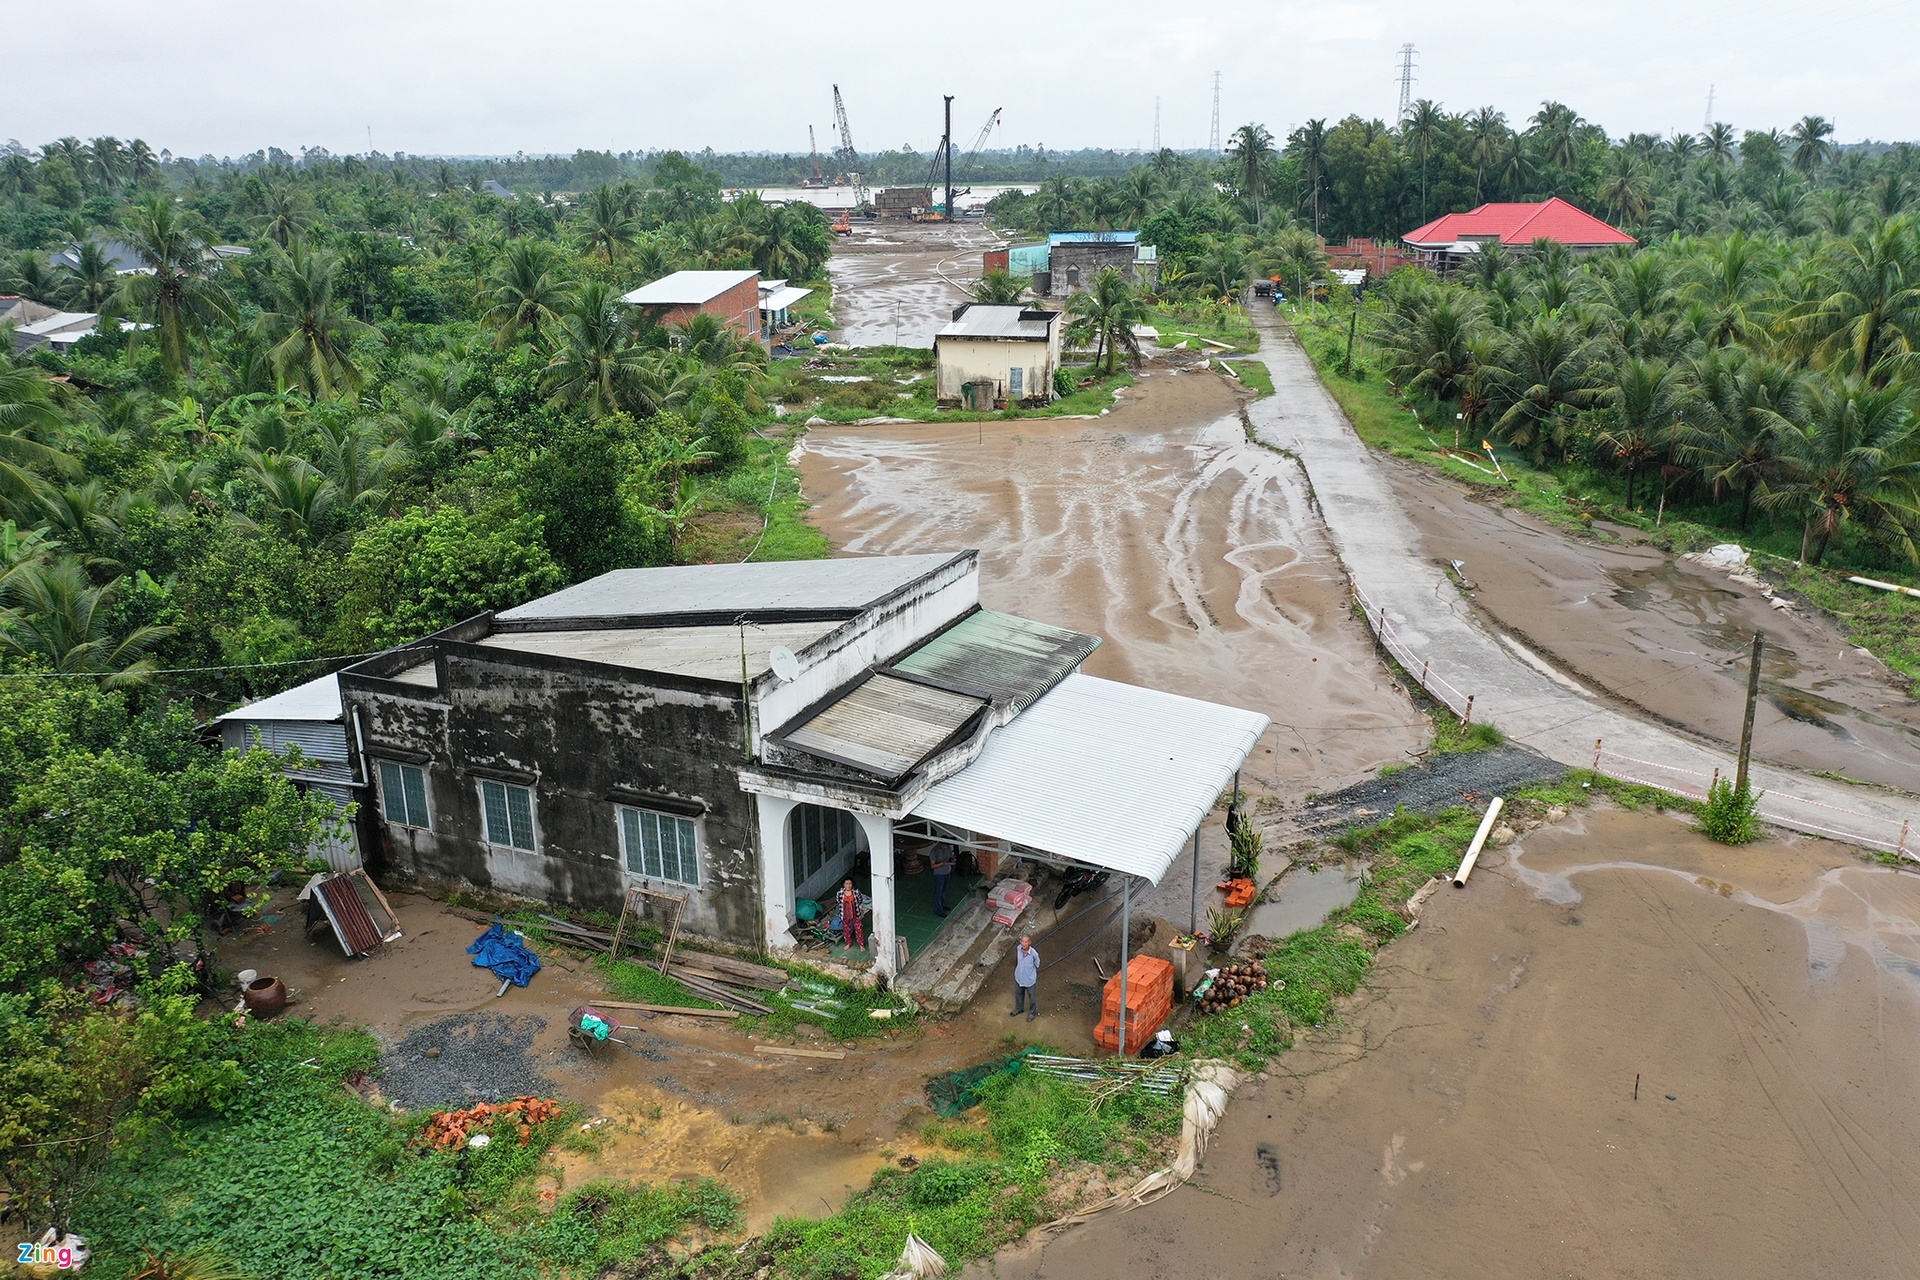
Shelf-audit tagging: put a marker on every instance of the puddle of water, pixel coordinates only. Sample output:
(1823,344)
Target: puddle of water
(1307,896)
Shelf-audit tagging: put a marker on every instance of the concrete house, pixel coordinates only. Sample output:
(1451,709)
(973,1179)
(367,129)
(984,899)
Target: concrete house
(733,296)
(750,735)
(1075,260)
(1450,240)
(989,356)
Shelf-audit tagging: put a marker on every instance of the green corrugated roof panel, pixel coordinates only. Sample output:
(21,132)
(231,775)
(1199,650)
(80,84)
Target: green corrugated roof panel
(1011,660)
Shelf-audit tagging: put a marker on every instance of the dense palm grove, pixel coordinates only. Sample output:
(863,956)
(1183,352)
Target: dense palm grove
(407,403)
(1754,361)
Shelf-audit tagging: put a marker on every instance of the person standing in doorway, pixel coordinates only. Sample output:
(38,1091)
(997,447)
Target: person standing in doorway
(1026,975)
(942,877)
(852,932)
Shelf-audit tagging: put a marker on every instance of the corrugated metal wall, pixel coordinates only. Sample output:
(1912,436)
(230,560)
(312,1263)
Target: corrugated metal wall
(324,767)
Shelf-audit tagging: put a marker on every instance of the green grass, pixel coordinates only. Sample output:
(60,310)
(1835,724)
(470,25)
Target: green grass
(1885,623)
(843,1010)
(1255,375)
(990,1190)
(301,1171)
(644,984)
(1188,321)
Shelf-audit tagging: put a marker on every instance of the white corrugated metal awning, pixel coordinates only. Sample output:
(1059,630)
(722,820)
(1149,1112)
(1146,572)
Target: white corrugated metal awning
(314,700)
(781,299)
(1107,774)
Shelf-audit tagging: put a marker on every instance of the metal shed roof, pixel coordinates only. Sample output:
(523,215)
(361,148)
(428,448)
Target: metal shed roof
(781,299)
(314,700)
(687,288)
(1012,660)
(976,320)
(886,726)
(1106,774)
(851,585)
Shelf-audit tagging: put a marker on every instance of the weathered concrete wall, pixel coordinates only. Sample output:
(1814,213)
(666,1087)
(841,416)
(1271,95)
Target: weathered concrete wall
(578,736)
(1076,264)
(991,360)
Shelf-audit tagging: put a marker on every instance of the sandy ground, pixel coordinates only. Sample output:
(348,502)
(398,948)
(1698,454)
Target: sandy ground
(1197,556)
(1671,638)
(690,1097)
(897,283)
(1474,1112)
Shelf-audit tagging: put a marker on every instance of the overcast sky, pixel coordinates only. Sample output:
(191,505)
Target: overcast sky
(493,77)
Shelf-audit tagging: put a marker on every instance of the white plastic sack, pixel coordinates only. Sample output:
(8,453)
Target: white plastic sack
(918,1261)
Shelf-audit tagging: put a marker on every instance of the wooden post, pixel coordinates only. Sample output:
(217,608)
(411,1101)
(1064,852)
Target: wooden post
(1466,717)
(1423,672)
(1753,696)
(1902,847)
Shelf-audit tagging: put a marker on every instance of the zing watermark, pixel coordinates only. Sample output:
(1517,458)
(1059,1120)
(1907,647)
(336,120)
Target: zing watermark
(65,1257)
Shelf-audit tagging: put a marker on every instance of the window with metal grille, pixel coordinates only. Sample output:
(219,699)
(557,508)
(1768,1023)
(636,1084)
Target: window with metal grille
(404,789)
(659,846)
(509,812)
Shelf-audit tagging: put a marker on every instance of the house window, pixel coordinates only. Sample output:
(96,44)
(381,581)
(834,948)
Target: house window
(404,789)
(658,846)
(819,836)
(509,812)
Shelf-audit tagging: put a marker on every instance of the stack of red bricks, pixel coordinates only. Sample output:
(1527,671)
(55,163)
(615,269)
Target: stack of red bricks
(1149,1003)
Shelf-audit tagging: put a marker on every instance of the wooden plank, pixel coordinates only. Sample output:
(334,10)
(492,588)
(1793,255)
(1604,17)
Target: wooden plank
(832,1054)
(668,1008)
(666,952)
(712,991)
(762,976)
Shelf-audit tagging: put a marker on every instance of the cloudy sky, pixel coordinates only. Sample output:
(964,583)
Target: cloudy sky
(492,77)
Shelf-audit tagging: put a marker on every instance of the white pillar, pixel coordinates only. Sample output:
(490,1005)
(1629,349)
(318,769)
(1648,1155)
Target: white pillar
(776,870)
(880,851)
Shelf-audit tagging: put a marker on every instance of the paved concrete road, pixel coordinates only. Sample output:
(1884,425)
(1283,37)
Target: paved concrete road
(1429,624)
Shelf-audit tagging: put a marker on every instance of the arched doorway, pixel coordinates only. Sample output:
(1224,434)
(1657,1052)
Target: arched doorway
(823,846)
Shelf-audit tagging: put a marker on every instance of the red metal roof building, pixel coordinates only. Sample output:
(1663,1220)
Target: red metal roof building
(1443,241)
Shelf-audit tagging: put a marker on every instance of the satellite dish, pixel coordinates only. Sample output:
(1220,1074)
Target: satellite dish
(784,664)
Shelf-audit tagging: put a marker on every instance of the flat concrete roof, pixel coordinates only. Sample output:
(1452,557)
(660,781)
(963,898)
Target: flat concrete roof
(706,653)
(687,288)
(847,585)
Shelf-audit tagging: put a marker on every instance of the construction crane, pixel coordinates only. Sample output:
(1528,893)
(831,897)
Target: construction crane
(943,153)
(813,148)
(979,142)
(847,158)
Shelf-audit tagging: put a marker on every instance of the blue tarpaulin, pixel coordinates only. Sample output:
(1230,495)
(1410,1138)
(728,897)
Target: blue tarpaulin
(505,954)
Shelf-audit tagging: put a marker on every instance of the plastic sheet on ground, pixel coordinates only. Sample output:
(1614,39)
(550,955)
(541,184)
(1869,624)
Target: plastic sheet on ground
(918,1261)
(1209,1085)
(505,954)
(955,1091)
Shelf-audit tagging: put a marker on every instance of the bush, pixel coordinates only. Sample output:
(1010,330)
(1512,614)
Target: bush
(1731,815)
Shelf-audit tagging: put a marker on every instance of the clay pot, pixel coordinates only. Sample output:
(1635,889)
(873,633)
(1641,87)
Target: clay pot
(265,996)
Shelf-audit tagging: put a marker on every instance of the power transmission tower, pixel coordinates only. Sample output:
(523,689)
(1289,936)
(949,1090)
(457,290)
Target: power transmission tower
(1709,120)
(1406,80)
(1213,138)
(1156,127)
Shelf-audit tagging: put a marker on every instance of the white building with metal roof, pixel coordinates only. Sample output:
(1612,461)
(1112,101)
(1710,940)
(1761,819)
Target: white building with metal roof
(747,737)
(992,356)
(307,719)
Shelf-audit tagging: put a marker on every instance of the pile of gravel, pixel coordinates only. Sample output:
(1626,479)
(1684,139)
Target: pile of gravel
(483,1057)
(1469,777)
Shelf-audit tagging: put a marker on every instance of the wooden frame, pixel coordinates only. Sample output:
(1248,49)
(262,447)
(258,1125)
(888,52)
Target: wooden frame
(636,893)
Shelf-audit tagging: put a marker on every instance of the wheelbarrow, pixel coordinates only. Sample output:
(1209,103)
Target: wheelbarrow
(588,1028)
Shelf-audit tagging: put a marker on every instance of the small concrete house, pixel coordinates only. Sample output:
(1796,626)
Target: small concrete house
(748,736)
(990,356)
(733,296)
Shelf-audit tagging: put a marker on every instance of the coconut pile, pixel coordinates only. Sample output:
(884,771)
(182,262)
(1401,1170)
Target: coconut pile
(1233,984)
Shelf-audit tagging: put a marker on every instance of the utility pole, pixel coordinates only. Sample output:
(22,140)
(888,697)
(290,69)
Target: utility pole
(1406,80)
(946,145)
(1746,730)
(1213,138)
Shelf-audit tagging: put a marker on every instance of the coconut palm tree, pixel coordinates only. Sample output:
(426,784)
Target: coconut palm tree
(55,618)
(1139,194)
(999,289)
(1106,313)
(1250,148)
(1421,132)
(1515,166)
(1625,188)
(1543,372)
(174,296)
(1854,459)
(1728,277)
(301,500)
(1486,128)
(1298,257)
(1427,342)
(1309,145)
(285,215)
(594,361)
(1866,308)
(311,333)
(1640,418)
(28,413)
(90,281)
(1556,128)
(1737,406)
(1718,145)
(605,225)
(1810,146)
(527,292)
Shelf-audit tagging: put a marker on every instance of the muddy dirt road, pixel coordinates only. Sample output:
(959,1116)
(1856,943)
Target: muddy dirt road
(1475,1116)
(897,283)
(1196,555)
(1670,638)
